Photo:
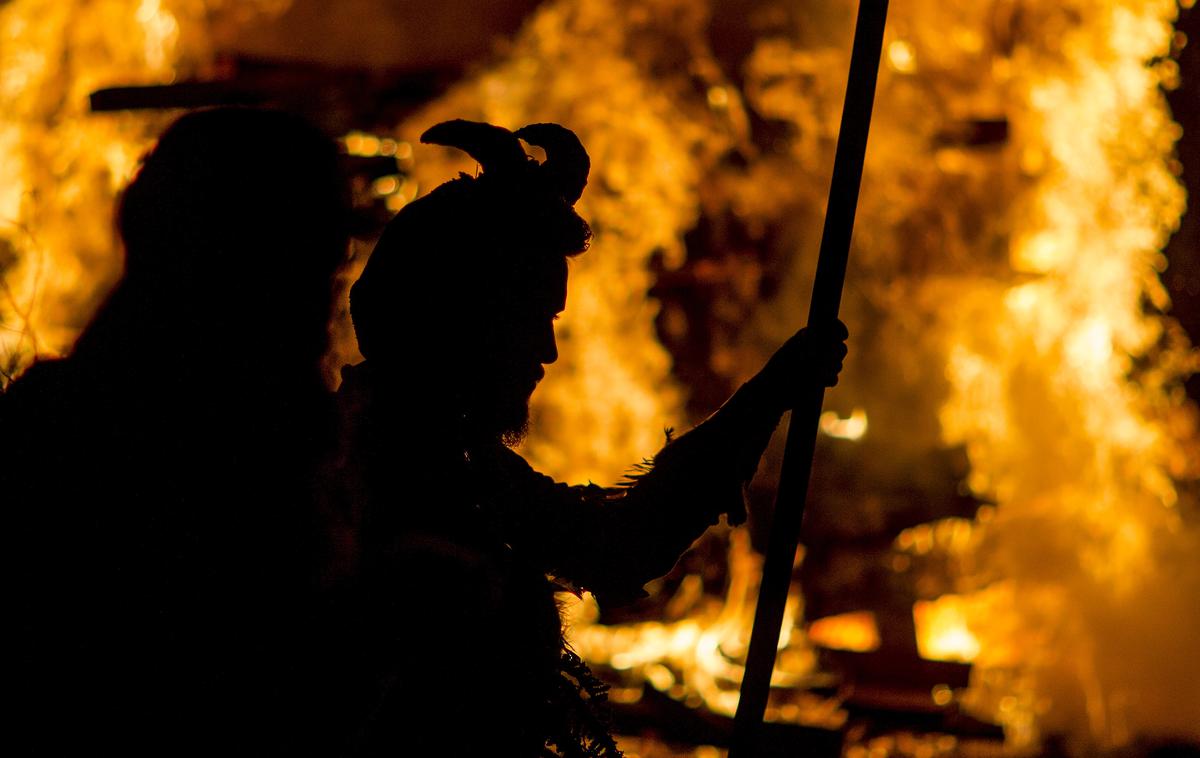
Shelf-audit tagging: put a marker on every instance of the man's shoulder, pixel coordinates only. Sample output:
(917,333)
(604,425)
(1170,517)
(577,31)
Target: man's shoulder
(502,460)
(514,474)
(41,373)
(46,386)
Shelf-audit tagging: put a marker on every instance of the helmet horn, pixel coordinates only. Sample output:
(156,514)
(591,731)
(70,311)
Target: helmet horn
(494,147)
(567,163)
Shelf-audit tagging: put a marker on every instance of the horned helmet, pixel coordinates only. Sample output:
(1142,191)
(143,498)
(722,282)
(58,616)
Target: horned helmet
(471,227)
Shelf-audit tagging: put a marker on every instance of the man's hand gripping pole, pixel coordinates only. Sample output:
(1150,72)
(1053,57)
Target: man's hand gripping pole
(802,429)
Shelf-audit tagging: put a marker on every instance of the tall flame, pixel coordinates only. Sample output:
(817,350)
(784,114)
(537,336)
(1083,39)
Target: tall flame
(1063,389)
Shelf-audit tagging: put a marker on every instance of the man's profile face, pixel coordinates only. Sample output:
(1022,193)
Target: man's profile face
(514,341)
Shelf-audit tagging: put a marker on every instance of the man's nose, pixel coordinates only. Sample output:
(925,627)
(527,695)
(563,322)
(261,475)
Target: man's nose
(548,346)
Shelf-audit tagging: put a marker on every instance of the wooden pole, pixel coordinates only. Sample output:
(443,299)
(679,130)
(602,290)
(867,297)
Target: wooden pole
(802,429)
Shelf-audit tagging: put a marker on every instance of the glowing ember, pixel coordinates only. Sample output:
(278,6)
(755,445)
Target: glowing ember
(856,631)
(852,428)
(942,632)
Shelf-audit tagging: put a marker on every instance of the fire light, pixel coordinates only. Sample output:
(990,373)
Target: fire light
(851,428)
(942,630)
(857,631)
(1020,186)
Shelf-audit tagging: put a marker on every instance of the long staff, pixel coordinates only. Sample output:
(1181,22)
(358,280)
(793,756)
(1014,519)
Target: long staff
(802,429)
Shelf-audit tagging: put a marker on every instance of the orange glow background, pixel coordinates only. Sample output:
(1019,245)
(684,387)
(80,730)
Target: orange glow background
(1005,298)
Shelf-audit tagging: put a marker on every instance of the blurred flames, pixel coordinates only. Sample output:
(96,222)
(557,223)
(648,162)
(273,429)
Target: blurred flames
(1003,296)
(1064,390)
(942,630)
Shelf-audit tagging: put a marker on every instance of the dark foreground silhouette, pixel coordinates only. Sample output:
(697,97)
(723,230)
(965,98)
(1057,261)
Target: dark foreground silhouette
(201,563)
(157,482)
(453,543)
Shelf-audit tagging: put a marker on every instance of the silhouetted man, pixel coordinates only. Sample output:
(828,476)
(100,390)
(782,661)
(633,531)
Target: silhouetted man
(460,543)
(157,481)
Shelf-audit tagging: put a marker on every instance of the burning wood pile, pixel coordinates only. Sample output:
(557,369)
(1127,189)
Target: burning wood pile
(999,530)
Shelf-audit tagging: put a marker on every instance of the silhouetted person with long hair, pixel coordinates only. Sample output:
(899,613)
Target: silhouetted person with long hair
(159,477)
(461,544)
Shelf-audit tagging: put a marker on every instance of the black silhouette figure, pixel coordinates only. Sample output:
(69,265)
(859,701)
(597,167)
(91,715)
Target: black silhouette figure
(157,482)
(455,543)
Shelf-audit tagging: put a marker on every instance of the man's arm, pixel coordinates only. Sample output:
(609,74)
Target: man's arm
(613,541)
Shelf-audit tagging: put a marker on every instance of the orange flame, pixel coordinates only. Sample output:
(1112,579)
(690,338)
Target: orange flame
(1018,282)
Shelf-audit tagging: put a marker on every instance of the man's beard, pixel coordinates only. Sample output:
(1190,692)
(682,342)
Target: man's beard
(500,415)
(515,434)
